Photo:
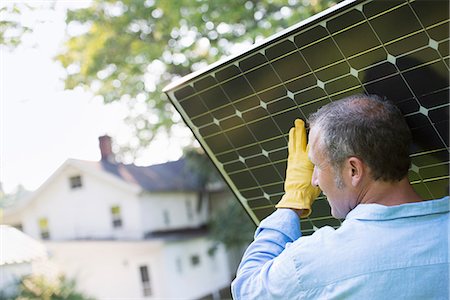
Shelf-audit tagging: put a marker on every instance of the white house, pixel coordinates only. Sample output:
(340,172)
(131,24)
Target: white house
(125,231)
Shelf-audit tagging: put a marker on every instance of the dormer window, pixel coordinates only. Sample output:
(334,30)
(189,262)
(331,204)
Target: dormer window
(75,182)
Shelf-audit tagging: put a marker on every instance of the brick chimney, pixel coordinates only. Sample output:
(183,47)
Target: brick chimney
(106,148)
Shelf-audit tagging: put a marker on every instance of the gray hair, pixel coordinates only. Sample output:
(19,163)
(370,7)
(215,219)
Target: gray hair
(367,127)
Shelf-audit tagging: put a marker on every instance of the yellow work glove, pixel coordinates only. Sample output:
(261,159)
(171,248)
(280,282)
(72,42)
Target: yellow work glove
(299,192)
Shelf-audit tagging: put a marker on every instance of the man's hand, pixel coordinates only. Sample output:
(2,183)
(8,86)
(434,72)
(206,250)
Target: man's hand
(299,193)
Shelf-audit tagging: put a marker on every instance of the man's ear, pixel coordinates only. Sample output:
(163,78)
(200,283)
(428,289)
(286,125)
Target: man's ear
(356,170)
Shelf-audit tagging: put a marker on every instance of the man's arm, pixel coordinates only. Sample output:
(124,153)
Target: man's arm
(266,270)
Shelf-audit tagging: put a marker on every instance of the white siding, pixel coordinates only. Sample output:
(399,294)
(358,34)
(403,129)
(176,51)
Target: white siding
(109,269)
(155,205)
(194,281)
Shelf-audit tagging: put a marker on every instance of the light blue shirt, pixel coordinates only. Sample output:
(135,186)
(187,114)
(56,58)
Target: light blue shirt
(379,252)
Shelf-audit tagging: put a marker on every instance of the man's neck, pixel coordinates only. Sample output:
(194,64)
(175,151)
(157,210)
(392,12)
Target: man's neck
(390,193)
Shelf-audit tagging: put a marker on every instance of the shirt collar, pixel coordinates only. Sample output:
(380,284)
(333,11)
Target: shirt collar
(382,212)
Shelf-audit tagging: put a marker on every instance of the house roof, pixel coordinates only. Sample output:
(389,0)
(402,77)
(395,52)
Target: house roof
(18,247)
(170,176)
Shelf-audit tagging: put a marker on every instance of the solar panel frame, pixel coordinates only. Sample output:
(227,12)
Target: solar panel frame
(244,130)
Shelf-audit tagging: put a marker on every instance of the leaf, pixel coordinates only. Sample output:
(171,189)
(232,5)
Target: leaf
(132,34)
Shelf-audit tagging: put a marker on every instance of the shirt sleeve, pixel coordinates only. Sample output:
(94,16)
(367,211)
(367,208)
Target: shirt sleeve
(266,270)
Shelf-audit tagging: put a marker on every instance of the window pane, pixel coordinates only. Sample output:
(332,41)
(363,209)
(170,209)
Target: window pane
(195,260)
(144,273)
(166,217)
(116,217)
(115,210)
(43,227)
(43,223)
(45,235)
(179,265)
(117,223)
(189,210)
(75,182)
(145,279)
(147,291)
(199,202)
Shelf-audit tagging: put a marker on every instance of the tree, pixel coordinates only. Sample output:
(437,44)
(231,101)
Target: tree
(10,199)
(229,224)
(232,226)
(11,28)
(128,50)
(39,287)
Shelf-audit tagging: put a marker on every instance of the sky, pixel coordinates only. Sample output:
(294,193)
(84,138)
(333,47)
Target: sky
(41,124)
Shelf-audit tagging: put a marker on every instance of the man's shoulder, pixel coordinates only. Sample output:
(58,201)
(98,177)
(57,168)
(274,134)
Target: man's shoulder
(362,246)
(320,257)
(324,240)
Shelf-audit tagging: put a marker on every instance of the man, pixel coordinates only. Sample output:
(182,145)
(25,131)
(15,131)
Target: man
(391,245)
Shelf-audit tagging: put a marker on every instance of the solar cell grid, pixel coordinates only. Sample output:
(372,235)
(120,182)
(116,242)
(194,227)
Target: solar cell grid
(241,110)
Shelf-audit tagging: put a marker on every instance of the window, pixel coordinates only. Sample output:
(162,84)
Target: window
(145,280)
(18,226)
(212,253)
(179,265)
(116,216)
(166,217)
(200,202)
(43,227)
(195,260)
(75,182)
(189,211)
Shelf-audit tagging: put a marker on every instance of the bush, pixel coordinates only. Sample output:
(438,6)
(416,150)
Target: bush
(39,287)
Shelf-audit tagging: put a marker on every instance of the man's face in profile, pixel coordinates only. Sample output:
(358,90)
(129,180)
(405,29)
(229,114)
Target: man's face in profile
(326,177)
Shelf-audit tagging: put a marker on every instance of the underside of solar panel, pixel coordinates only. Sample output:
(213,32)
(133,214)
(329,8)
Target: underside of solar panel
(241,109)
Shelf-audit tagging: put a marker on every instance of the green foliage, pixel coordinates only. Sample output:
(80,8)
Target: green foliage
(229,223)
(38,287)
(10,199)
(232,226)
(129,50)
(11,29)
(198,161)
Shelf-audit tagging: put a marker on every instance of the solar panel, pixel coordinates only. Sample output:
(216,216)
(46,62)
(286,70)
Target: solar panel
(241,109)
